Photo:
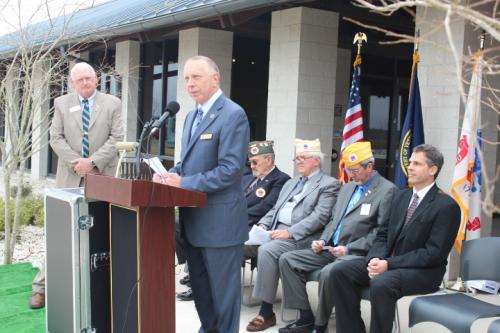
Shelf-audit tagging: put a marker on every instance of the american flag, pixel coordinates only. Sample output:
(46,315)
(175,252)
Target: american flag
(353,124)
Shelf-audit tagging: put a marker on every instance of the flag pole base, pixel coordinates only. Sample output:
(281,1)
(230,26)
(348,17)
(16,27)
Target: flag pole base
(457,285)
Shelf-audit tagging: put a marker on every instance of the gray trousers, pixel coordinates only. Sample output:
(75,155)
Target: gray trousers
(38,284)
(294,267)
(268,254)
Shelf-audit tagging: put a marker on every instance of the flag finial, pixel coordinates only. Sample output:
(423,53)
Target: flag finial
(481,40)
(359,38)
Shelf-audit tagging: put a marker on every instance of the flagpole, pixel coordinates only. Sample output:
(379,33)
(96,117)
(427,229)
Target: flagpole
(416,60)
(417,40)
(466,185)
(412,131)
(353,124)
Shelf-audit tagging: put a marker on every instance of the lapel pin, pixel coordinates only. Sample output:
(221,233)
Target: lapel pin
(260,192)
(212,116)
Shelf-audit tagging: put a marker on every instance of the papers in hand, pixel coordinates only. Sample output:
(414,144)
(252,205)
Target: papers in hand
(257,236)
(155,164)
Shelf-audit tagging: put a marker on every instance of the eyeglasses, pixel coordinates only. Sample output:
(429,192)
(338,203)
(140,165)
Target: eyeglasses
(301,158)
(354,171)
(254,162)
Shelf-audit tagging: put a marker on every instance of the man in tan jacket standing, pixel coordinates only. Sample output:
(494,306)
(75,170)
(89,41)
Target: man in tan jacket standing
(83,133)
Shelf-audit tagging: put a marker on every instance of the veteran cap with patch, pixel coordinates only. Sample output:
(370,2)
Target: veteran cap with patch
(356,153)
(260,147)
(310,146)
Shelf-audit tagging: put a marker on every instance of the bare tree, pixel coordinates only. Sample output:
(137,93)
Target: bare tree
(33,68)
(483,15)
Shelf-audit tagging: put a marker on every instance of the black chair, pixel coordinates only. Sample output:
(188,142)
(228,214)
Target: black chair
(494,327)
(457,312)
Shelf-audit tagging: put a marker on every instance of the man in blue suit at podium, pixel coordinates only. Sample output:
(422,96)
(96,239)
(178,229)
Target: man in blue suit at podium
(214,150)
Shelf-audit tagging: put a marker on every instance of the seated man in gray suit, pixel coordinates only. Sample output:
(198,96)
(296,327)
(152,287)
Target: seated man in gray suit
(302,210)
(362,206)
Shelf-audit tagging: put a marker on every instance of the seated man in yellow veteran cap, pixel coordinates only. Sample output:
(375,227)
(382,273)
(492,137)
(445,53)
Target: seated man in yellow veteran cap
(302,210)
(362,205)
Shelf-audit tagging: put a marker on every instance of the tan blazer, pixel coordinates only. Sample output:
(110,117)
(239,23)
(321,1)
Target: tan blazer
(66,134)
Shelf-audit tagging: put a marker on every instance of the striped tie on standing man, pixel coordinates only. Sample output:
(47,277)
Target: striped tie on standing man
(85,128)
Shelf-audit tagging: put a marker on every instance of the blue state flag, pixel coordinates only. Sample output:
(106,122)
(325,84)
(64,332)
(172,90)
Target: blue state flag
(412,134)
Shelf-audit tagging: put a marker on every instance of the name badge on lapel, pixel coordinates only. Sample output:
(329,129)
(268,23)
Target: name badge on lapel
(365,209)
(206,136)
(75,108)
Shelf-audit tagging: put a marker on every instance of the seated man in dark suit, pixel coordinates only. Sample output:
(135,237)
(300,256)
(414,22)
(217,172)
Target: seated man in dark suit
(409,254)
(362,206)
(263,186)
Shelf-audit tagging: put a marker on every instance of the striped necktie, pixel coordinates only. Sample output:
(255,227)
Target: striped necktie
(197,120)
(85,128)
(411,208)
(252,186)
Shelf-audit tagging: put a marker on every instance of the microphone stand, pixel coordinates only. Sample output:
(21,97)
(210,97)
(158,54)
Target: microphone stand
(145,130)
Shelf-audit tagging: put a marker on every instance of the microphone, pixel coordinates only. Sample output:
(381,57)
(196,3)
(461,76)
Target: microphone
(170,111)
(126,146)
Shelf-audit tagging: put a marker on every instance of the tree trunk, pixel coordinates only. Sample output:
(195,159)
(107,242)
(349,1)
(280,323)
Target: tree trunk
(17,209)
(7,258)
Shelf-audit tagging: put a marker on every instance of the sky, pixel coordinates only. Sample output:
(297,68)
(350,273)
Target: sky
(18,13)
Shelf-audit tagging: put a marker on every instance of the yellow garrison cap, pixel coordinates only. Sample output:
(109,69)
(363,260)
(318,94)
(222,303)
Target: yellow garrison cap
(310,146)
(260,147)
(356,153)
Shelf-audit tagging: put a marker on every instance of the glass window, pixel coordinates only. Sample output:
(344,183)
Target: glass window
(159,72)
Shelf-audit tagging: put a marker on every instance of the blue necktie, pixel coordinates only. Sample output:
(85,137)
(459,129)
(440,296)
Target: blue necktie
(354,199)
(197,120)
(85,128)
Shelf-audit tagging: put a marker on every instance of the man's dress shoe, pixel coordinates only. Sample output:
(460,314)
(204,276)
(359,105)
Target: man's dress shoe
(37,301)
(295,327)
(259,324)
(186,295)
(185,280)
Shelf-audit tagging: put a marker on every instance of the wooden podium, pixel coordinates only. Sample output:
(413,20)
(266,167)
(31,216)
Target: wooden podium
(142,246)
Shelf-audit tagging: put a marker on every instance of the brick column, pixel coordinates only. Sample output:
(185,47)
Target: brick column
(128,54)
(302,72)
(40,136)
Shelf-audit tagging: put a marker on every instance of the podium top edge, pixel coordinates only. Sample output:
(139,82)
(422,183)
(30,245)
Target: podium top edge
(71,195)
